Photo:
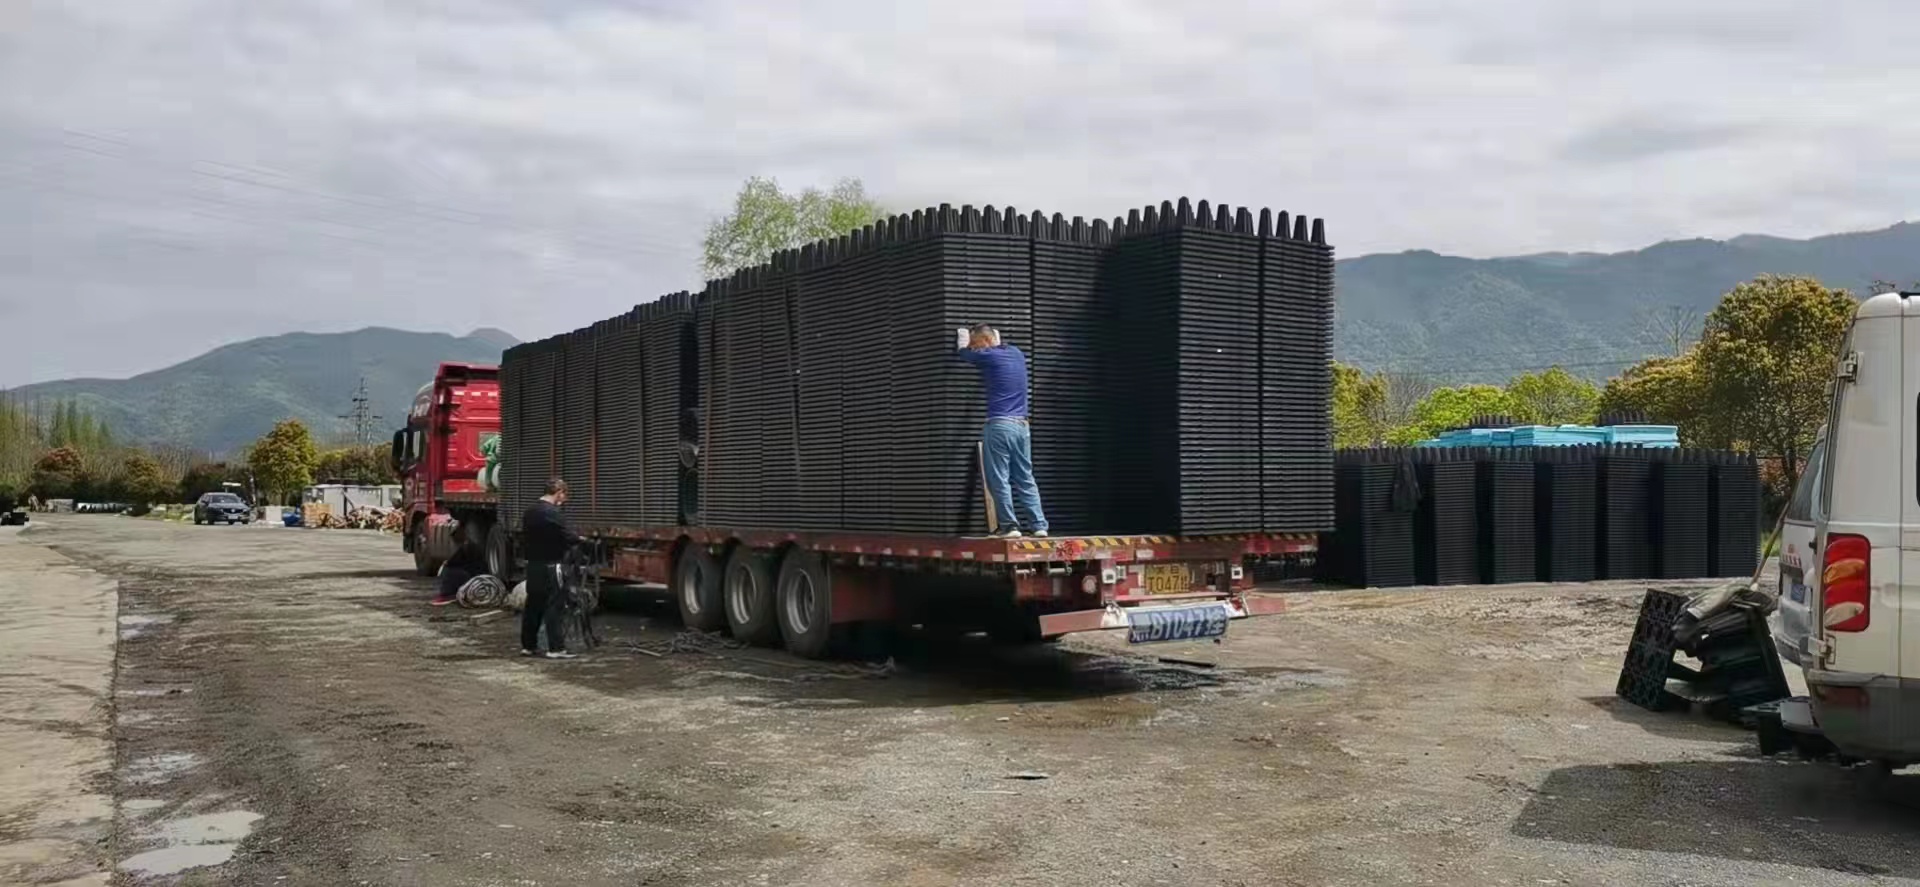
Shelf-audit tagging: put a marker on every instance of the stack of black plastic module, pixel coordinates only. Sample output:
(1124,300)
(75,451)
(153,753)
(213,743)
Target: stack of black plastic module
(729,447)
(1504,514)
(667,371)
(780,505)
(1622,481)
(1649,660)
(1216,292)
(1296,350)
(821,321)
(513,376)
(1564,505)
(1680,531)
(1374,543)
(1446,535)
(1734,516)
(1070,443)
(867,377)
(619,435)
(1142,446)
(573,435)
(986,276)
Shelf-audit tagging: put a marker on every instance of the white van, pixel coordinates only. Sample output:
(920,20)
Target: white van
(1854,539)
(1792,622)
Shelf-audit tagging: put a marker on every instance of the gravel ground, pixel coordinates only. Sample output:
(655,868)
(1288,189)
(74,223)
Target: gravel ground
(286,702)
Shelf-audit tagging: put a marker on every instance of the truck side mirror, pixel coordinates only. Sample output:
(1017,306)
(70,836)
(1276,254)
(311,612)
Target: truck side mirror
(397,453)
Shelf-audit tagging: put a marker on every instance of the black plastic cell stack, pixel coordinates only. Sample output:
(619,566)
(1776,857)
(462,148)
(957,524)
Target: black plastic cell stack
(1446,535)
(1681,481)
(1734,516)
(1296,384)
(1564,506)
(1504,479)
(1376,497)
(822,320)
(666,381)
(867,376)
(1622,526)
(619,437)
(513,375)
(1070,443)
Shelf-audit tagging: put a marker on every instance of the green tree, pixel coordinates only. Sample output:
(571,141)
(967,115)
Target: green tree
(59,474)
(1359,407)
(1552,397)
(141,480)
(355,465)
(283,460)
(1669,390)
(1766,358)
(207,477)
(1452,408)
(766,220)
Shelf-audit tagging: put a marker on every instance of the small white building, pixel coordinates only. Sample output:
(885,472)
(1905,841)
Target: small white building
(342,499)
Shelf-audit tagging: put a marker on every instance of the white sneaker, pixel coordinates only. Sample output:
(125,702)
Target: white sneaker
(1039,534)
(1010,534)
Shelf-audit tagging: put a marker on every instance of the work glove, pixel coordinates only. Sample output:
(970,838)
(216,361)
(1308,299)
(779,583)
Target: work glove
(961,337)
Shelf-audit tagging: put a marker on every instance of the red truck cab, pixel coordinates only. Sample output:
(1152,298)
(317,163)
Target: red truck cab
(439,458)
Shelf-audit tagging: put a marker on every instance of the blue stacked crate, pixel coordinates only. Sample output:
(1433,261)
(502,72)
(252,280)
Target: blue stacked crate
(1734,517)
(1446,535)
(1564,507)
(1623,479)
(1682,481)
(1296,384)
(1504,515)
(1069,442)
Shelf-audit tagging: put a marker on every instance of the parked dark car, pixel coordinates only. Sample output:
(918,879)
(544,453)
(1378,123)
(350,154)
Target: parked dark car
(221,508)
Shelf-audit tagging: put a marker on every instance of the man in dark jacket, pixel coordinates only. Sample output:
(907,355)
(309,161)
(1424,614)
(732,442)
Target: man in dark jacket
(548,541)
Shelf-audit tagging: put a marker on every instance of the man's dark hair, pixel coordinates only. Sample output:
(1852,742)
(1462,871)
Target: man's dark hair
(556,485)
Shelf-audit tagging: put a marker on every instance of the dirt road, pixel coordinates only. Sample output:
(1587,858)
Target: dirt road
(286,702)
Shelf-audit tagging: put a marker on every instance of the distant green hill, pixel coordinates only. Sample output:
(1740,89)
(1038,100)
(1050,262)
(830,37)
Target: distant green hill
(1461,320)
(226,398)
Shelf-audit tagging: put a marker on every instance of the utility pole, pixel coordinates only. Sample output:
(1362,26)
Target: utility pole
(361,416)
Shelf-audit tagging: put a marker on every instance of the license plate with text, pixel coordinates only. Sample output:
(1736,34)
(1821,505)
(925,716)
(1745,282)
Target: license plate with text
(1168,578)
(1148,625)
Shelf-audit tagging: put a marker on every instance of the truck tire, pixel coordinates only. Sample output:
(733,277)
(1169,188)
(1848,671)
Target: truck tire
(805,593)
(423,564)
(696,589)
(752,613)
(499,551)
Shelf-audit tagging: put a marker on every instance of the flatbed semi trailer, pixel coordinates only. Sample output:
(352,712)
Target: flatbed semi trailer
(798,588)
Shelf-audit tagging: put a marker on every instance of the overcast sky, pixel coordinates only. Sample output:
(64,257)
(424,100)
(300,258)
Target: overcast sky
(176,174)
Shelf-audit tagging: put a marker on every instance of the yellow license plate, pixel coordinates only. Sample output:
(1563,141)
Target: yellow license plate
(1168,579)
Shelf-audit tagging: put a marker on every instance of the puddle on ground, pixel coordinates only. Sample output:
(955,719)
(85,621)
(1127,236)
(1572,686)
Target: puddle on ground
(193,842)
(133,626)
(142,805)
(155,769)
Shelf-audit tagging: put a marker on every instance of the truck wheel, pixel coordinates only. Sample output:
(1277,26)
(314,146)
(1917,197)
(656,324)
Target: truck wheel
(499,553)
(748,584)
(696,588)
(423,564)
(805,593)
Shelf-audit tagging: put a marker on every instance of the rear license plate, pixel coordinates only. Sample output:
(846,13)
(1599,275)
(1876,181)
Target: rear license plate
(1147,625)
(1168,578)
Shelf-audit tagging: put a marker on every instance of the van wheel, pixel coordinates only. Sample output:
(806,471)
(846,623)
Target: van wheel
(805,592)
(696,589)
(748,584)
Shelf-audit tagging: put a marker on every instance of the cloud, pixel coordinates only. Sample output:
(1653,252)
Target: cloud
(175,174)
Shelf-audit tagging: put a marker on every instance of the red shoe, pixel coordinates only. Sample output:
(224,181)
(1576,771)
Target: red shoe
(442,601)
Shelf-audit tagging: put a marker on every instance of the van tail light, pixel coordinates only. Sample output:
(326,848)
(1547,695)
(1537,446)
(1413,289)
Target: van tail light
(1845,583)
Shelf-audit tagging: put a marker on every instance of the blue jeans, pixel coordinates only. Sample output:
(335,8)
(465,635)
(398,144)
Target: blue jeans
(1009,465)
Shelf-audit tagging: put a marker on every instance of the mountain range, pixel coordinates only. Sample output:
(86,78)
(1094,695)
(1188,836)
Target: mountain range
(228,397)
(1447,318)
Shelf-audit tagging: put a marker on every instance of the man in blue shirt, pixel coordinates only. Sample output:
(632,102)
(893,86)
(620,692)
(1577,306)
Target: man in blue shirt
(1007,442)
